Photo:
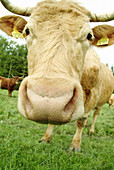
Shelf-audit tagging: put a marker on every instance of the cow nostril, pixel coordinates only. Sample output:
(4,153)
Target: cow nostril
(27,102)
(70,106)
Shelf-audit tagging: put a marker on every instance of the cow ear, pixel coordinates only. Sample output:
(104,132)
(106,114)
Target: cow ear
(104,35)
(13,25)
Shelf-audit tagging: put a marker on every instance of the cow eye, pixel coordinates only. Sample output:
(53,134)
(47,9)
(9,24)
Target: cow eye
(89,36)
(27,31)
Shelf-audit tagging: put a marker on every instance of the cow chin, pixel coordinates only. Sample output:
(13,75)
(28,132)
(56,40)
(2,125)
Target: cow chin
(50,101)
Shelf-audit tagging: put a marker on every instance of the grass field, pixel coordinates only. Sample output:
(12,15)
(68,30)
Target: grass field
(20,149)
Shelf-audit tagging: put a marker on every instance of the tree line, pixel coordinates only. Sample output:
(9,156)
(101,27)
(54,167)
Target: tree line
(13,58)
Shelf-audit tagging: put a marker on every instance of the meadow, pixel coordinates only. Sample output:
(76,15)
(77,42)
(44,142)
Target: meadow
(20,148)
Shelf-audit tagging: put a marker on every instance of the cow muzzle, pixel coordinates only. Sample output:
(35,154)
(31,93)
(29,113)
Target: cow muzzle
(50,101)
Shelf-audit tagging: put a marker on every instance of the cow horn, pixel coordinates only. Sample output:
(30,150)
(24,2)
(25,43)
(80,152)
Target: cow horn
(25,11)
(21,77)
(12,75)
(102,17)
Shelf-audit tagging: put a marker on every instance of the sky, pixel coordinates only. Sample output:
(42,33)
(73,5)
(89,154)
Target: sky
(95,6)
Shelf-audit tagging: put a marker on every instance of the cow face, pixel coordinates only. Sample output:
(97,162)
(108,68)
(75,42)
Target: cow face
(57,40)
(15,80)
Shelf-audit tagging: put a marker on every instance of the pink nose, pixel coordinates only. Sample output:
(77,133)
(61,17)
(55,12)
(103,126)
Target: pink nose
(46,102)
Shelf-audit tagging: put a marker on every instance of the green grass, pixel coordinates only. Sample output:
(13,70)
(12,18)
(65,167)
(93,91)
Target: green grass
(20,149)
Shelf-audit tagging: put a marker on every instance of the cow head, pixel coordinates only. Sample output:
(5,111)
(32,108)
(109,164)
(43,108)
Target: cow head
(16,79)
(58,36)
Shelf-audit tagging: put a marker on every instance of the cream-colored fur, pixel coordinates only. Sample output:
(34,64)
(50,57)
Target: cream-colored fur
(97,89)
(60,54)
(56,58)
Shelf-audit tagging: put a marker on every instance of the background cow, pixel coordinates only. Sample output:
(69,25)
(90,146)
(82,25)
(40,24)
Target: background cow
(9,84)
(111,101)
(66,78)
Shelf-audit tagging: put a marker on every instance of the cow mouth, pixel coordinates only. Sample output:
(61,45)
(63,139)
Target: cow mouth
(54,108)
(67,109)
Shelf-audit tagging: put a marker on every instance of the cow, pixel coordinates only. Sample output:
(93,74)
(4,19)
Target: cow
(111,101)
(9,83)
(66,79)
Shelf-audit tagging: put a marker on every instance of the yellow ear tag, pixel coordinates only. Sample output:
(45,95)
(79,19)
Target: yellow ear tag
(103,41)
(16,33)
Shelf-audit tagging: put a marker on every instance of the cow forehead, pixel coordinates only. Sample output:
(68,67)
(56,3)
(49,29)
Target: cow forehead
(54,7)
(58,13)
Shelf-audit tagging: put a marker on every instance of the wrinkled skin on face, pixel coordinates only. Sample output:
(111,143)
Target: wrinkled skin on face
(56,50)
